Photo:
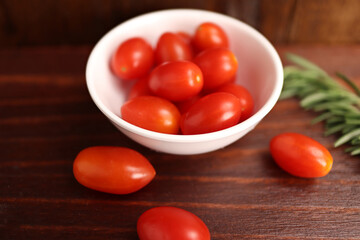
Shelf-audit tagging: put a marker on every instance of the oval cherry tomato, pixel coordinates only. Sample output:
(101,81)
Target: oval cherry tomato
(186,37)
(184,106)
(176,81)
(164,223)
(245,97)
(133,59)
(300,155)
(140,88)
(172,47)
(209,35)
(218,65)
(211,113)
(116,170)
(152,113)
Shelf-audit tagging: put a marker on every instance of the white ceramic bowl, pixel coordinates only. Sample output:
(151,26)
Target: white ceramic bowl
(260,71)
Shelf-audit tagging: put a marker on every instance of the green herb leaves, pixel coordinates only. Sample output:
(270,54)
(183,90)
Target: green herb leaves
(337,106)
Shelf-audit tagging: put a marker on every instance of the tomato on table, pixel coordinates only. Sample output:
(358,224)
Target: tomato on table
(176,81)
(164,223)
(211,113)
(209,35)
(300,155)
(116,170)
(218,65)
(133,59)
(172,47)
(152,113)
(246,99)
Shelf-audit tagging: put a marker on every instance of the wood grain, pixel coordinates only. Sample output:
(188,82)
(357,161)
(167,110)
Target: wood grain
(325,21)
(47,117)
(281,21)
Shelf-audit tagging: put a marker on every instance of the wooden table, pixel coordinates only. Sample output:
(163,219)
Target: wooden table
(47,117)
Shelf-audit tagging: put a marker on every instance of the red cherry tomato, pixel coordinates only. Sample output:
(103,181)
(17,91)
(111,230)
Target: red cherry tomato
(133,59)
(185,36)
(176,81)
(211,113)
(114,170)
(300,155)
(140,88)
(209,35)
(245,97)
(218,65)
(164,223)
(152,113)
(184,106)
(172,47)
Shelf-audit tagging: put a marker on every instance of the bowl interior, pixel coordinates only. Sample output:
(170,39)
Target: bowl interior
(259,65)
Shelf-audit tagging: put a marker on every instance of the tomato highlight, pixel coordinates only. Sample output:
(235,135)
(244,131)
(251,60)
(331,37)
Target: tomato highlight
(133,59)
(176,81)
(211,113)
(115,170)
(210,35)
(218,65)
(163,223)
(172,47)
(300,155)
(152,113)
(246,99)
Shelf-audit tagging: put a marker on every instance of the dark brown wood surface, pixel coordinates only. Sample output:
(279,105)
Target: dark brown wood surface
(47,117)
(59,22)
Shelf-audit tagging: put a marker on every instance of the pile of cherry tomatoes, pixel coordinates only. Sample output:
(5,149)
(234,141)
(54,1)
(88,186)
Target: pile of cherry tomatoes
(183,86)
(190,91)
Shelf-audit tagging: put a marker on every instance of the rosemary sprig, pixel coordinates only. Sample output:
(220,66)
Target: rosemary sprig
(338,107)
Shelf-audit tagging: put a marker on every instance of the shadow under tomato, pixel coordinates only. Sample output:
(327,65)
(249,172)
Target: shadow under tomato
(284,178)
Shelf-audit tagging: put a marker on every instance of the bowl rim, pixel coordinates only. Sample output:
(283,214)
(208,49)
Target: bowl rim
(240,127)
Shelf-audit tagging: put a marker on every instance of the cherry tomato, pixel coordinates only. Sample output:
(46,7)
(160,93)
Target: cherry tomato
(172,47)
(176,81)
(211,113)
(152,113)
(300,155)
(165,223)
(218,65)
(185,36)
(184,106)
(245,97)
(116,170)
(209,35)
(133,59)
(140,88)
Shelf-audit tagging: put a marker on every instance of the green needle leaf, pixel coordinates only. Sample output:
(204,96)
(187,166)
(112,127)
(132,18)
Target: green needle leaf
(352,121)
(313,99)
(334,129)
(355,152)
(355,141)
(322,117)
(347,137)
(338,106)
(350,149)
(288,93)
(304,63)
(349,82)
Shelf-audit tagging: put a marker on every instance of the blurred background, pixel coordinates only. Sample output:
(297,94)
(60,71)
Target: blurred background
(83,22)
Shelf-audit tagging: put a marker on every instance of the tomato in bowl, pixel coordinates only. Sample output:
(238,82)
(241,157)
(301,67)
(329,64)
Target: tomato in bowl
(259,71)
